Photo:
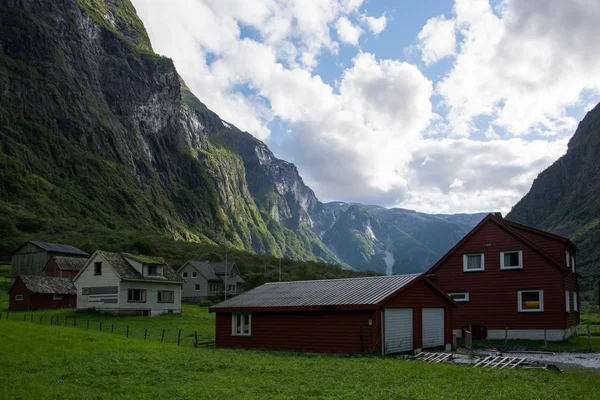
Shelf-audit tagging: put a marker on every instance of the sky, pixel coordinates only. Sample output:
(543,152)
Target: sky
(438,106)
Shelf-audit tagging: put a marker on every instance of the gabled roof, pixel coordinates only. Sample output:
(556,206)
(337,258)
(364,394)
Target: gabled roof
(540,232)
(46,285)
(367,291)
(125,271)
(145,259)
(214,271)
(55,248)
(65,263)
(506,226)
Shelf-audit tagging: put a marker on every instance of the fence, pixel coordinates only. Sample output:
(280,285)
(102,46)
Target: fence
(182,337)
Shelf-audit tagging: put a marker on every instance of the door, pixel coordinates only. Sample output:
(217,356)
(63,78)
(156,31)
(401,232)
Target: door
(433,327)
(398,330)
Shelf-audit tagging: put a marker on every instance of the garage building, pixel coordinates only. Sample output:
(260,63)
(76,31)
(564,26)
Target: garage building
(387,314)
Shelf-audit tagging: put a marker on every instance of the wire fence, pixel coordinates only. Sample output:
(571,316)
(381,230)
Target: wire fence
(181,337)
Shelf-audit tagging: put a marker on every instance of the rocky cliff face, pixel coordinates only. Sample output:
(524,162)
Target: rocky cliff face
(565,198)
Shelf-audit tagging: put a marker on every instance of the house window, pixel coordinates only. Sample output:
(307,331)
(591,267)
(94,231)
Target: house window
(568,255)
(153,270)
(166,296)
(194,274)
(473,262)
(98,268)
(530,300)
(240,324)
(459,297)
(19,297)
(511,259)
(573,263)
(57,297)
(85,290)
(568,300)
(231,288)
(215,288)
(184,275)
(575,308)
(136,295)
(197,288)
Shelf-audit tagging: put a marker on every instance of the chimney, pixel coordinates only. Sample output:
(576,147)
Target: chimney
(498,215)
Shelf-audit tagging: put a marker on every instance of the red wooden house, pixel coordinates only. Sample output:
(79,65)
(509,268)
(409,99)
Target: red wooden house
(508,278)
(39,292)
(390,314)
(64,266)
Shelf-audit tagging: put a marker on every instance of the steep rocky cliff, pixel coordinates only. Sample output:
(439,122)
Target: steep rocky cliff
(565,198)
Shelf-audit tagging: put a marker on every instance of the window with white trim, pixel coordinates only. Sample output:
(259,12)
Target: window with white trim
(184,275)
(511,259)
(194,274)
(231,288)
(473,262)
(568,259)
(57,297)
(568,300)
(215,288)
(530,300)
(240,324)
(166,296)
(459,297)
(575,307)
(19,297)
(573,263)
(136,295)
(197,288)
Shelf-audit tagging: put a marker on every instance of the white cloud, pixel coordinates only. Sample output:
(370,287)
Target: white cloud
(375,25)
(347,32)
(491,134)
(523,67)
(437,39)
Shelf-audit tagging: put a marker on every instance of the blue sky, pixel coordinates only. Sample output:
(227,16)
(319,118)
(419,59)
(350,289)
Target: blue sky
(438,106)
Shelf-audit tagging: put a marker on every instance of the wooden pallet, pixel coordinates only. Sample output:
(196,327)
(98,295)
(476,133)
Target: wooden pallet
(500,362)
(434,357)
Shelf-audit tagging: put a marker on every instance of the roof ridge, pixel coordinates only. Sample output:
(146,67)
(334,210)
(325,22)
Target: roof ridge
(345,279)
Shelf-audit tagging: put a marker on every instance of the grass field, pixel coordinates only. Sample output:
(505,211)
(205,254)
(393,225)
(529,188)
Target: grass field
(50,362)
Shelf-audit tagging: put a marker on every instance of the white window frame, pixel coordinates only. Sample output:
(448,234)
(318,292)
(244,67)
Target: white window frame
(184,274)
(568,258)
(568,300)
(57,297)
(194,274)
(143,295)
(465,299)
(18,297)
(575,308)
(196,288)
(519,302)
(465,262)
(160,293)
(234,324)
(573,263)
(520,266)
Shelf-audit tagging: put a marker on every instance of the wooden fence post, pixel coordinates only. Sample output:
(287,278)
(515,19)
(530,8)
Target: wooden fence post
(24,318)
(506,335)
(112,328)
(51,319)
(163,336)
(100,326)
(127,333)
(196,338)
(31,319)
(74,322)
(87,325)
(145,333)
(179,338)
(589,337)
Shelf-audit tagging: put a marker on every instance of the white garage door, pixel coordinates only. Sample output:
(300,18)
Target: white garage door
(398,330)
(433,327)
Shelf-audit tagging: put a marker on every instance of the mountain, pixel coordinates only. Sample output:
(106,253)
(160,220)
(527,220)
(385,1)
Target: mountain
(393,240)
(565,198)
(102,143)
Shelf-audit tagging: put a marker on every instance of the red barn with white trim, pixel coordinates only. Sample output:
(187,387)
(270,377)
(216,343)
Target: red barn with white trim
(40,292)
(405,313)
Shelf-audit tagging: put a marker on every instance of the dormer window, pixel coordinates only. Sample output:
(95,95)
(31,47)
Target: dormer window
(473,262)
(154,270)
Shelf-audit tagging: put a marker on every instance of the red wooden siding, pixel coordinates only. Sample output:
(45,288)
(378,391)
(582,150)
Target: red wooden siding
(53,270)
(493,292)
(326,331)
(32,301)
(572,286)
(552,247)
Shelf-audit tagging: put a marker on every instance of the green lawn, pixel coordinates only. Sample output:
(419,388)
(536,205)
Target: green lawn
(51,362)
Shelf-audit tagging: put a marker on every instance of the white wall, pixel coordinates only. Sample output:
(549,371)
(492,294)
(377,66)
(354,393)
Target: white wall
(151,303)
(87,279)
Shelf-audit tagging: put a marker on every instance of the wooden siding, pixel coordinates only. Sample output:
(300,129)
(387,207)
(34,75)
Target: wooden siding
(53,270)
(33,301)
(493,292)
(151,302)
(573,317)
(29,260)
(312,331)
(187,290)
(87,279)
(553,247)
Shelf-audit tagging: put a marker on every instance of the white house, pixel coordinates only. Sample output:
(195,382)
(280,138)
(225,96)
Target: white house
(128,284)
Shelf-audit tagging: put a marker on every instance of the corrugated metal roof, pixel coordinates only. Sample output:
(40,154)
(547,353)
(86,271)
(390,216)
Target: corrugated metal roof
(329,292)
(60,248)
(49,285)
(69,263)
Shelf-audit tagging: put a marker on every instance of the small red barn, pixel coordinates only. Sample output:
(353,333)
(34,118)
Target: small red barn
(39,292)
(508,278)
(391,314)
(64,266)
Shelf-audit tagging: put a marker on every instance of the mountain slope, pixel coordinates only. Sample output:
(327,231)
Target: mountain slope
(565,198)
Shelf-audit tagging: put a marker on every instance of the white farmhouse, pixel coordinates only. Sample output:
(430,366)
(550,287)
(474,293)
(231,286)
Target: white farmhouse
(128,284)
